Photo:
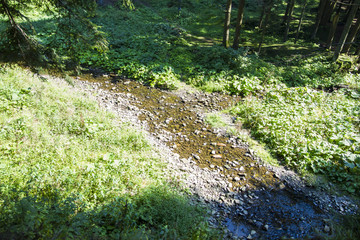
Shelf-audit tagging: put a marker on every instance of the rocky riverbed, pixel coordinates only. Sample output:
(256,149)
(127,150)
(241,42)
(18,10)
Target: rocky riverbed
(250,198)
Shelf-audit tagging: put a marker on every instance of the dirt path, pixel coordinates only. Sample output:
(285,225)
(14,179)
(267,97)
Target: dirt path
(253,200)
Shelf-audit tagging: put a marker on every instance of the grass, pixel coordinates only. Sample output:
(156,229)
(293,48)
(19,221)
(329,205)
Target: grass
(164,47)
(216,120)
(70,170)
(160,46)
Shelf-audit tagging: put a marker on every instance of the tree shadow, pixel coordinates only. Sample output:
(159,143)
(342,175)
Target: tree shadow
(155,213)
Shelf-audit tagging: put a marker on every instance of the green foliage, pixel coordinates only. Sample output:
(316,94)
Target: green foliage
(215,120)
(70,33)
(161,53)
(126,4)
(70,170)
(347,228)
(245,85)
(161,44)
(168,212)
(310,130)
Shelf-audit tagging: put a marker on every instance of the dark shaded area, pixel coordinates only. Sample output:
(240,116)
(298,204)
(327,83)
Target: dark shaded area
(154,213)
(279,214)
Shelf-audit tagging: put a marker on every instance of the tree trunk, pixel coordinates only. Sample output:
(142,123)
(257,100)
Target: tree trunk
(267,6)
(357,51)
(301,20)
(226,35)
(238,23)
(333,28)
(319,17)
(292,4)
(353,31)
(348,7)
(286,12)
(346,30)
(267,16)
(328,10)
(263,12)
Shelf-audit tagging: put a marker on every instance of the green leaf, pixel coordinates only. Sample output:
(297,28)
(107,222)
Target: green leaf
(349,165)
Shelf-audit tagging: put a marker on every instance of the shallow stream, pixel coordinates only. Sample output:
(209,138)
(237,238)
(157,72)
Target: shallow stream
(261,205)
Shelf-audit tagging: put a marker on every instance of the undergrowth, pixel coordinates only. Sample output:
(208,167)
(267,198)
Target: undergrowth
(297,101)
(310,130)
(70,170)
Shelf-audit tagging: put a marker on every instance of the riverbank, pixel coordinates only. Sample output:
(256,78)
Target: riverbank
(243,192)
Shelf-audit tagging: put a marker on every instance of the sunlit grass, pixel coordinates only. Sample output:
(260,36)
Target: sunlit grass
(67,164)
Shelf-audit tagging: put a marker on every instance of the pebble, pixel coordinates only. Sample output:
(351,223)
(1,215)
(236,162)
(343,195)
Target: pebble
(218,156)
(206,184)
(282,186)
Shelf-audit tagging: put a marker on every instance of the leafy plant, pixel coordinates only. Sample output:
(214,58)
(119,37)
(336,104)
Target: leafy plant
(310,130)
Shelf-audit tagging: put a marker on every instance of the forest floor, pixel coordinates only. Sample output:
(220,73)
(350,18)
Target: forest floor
(246,195)
(209,155)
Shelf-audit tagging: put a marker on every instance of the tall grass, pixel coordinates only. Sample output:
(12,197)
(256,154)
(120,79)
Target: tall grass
(69,169)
